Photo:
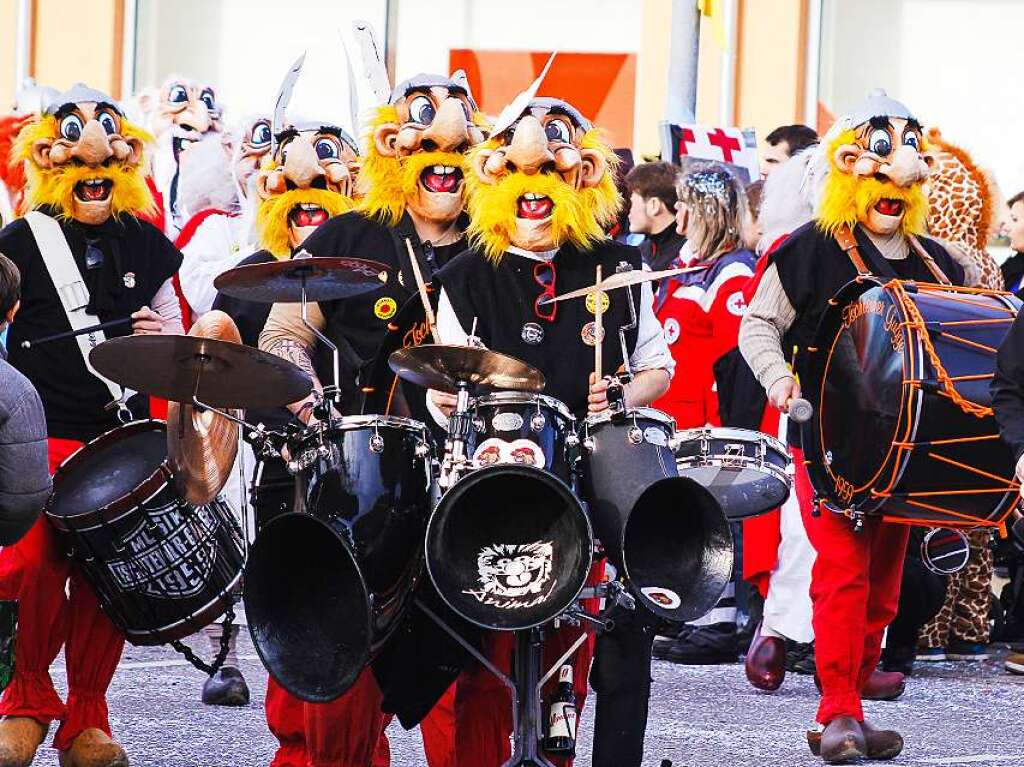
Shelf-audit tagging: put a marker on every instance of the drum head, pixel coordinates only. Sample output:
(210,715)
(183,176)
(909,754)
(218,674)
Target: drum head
(861,396)
(108,469)
(742,493)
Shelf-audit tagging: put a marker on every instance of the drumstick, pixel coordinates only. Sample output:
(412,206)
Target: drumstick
(421,288)
(80,332)
(598,328)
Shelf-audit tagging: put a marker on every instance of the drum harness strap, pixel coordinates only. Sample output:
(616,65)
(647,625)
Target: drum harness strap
(74,298)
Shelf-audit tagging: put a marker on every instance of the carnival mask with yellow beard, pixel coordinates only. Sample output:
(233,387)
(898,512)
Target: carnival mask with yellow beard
(309,179)
(84,159)
(543,182)
(416,154)
(877,171)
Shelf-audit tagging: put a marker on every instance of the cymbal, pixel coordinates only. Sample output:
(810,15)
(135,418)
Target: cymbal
(201,446)
(230,375)
(326,279)
(623,280)
(441,367)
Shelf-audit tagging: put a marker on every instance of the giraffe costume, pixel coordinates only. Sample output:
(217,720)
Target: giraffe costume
(962,201)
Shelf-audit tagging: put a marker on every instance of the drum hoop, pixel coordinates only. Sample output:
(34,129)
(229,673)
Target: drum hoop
(357,422)
(182,628)
(733,434)
(496,399)
(650,413)
(742,462)
(119,507)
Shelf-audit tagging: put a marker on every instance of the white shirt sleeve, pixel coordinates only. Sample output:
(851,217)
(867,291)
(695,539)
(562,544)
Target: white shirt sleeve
(651,352)
(211,251)
(449,331)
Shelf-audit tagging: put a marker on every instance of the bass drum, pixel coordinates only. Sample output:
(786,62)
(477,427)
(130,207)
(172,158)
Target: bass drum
(665,534)
(903,425)
(326,586)
(161,568)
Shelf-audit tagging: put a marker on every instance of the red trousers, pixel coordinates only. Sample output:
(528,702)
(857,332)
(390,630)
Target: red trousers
(35,571)
(347,732)
(483,705)
(855,591)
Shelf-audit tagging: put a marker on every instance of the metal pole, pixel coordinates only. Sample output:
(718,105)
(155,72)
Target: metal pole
(131,15)
(23,45)
(727,99)
(681,100)
(813,63)
(391,37)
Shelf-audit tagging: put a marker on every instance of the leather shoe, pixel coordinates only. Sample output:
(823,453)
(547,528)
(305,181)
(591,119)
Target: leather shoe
(20,737)
(841,742)
(93,748)
(881,685)
(766,662)
(226,688)
(879,744)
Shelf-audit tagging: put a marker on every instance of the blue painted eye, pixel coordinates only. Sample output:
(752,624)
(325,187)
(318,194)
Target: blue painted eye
(71,127)
(260,134)
(880,142)
(107,121)
(326,149)
(421,110)
(177,94)
(209,99)
(557,130)
(910,138)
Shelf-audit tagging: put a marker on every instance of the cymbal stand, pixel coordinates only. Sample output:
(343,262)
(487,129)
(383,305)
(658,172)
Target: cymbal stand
(525,686)
(634,323)
(459,425)
(332,391)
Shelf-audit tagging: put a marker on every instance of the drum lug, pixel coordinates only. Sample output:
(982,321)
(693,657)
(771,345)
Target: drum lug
(588,443)
(538,421)
(422,449)
(635,435)
(376,443)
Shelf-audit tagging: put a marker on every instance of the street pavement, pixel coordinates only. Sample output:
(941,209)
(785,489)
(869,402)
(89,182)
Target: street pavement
(953,714)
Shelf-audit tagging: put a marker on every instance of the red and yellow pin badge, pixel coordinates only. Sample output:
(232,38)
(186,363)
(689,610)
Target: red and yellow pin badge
(385,308)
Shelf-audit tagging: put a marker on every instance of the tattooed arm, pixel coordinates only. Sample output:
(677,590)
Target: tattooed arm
(286,336)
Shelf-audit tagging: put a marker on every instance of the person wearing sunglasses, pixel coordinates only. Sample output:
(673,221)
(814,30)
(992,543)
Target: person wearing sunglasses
(541,194)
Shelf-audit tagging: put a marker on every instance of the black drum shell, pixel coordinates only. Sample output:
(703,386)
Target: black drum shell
(503,512)
(367,511)
(660,530)
(872,442)
(161,568)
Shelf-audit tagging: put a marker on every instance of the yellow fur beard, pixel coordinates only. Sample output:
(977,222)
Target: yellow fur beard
(848,199)
(579,217)
(56,186)
(272,226)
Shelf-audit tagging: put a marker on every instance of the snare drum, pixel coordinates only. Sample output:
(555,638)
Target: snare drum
(749,473)
(523,428)
(161,568)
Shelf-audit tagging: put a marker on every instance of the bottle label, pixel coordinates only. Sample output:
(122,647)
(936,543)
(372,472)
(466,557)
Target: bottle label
(562,723)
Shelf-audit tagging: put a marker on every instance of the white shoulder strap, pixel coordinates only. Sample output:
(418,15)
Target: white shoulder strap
(74,296)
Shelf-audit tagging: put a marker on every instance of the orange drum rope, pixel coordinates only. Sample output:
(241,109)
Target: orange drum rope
(916,321)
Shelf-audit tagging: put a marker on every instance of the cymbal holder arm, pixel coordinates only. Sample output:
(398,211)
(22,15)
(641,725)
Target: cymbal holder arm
(459,424)
(331,391)
(633,324)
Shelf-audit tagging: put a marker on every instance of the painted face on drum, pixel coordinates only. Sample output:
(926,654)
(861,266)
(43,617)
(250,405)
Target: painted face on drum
(877,177)
(541,183)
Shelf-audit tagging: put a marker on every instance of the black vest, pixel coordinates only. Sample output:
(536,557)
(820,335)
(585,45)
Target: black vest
(501,298)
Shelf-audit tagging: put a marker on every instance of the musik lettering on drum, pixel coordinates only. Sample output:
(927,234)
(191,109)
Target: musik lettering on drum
(892,320)
(515,576)
(169,555)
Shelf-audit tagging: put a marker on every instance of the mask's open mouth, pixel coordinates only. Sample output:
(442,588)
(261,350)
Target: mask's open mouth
(889,207)
(180,143)
(307,214)
(94,189)
(534,206)
(446,179)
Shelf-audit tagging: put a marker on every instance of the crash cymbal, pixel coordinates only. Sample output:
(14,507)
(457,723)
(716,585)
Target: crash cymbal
(623,280)
(201,446)
(441,367)
(232,375)
(280,282)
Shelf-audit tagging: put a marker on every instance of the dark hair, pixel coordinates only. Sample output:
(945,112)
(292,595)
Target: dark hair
(654,179)
(754,192)
(10,286)
(797,137)
(1019,197)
